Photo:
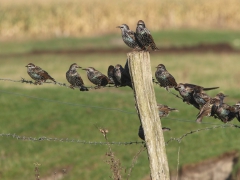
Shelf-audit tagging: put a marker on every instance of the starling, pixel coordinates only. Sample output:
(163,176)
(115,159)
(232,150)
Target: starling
(210,107)
(96,77)
(186,91)
(38,74)
(74,78)
(111,76)
(237,110)
(141,132)
(164,110)
(165,79)
(199,96)
(144,36)
(129,39)
(122,76)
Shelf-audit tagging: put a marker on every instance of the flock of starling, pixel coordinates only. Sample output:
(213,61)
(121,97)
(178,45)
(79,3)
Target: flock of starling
(119,76)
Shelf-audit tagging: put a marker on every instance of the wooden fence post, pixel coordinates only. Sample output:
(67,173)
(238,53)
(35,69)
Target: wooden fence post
(141,74)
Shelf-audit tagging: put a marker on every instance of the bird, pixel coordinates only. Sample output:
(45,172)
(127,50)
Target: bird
(186,91)
(237,110)
(74,78)
(96,77)
(122,76)
(164,110)
(144,36)
(141,131)
(38,74)
(210,108)
(200,96)
(164,78)
(111,76)
(129,38)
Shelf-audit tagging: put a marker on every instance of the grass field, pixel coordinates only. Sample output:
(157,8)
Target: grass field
(36,118)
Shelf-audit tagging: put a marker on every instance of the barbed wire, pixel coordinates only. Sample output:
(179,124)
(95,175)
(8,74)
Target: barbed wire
(203,129)
(40,139)
(54,83)
(43,138)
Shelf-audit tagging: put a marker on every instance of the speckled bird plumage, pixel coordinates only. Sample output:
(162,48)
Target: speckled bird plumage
(186,91)
(96,77)
(111,76)
(129,38)
(122,76)
(165,79)
(38,74)
(210,107)
(74,78)
(164,110)
(144,36)
(200,96)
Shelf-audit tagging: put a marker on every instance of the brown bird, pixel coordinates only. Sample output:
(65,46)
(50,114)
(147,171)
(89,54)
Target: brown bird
(141,132)
(164,78)
(38,74)
(164,110)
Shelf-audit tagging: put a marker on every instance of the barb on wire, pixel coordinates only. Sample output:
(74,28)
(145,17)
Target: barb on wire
(26,138)
(203,129)
(54,83)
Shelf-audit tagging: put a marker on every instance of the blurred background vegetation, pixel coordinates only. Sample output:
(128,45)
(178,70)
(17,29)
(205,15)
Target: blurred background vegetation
(54,34)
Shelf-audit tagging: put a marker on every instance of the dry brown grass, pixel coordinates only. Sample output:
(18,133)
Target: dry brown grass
(42,18)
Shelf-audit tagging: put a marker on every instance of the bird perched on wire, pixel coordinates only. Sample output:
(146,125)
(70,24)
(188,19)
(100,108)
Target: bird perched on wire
(211,106)
(74,78)
(122,76)
(38,74)
(164,110)
(200,96)
(96,77)
(186,91)
(141,132)
(237,110)
(144,36)
(111,76)
(164,78)
(129,38)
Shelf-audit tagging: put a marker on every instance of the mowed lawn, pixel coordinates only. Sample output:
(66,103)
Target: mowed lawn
(26,116)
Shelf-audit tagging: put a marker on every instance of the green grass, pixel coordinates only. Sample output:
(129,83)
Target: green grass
(162,39)
(36,118)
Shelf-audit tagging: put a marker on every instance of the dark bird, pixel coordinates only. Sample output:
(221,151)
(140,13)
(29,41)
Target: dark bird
(111,76)
(210,108)
(237,110)
(122,76)
(129,39)
(165,79)
(141,132)
(200,96)
(144,36)
(38,74)
(164,110)
(186,91)
(74,78)
(96,77)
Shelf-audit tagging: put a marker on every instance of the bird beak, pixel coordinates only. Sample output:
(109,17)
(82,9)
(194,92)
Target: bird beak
(225,95)
(78,67)
(26,66)
(84,69)
(118,27)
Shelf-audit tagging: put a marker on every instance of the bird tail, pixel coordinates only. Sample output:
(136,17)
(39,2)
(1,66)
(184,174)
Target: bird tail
(83,88)
(207,89)
(154,47)
(173,109)
(199,119)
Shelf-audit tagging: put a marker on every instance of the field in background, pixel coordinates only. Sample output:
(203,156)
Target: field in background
(37,19)
(36,118)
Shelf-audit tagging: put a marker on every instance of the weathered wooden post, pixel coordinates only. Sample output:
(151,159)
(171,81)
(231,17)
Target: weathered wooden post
(141,74)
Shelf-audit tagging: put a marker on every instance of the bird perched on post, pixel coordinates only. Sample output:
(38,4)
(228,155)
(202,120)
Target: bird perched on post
(74,78)
(144,36)
(129,39)
(165,79)
(38,74)
(164,110)
(96,77)
(210,107)
(186,91)
(122,76)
